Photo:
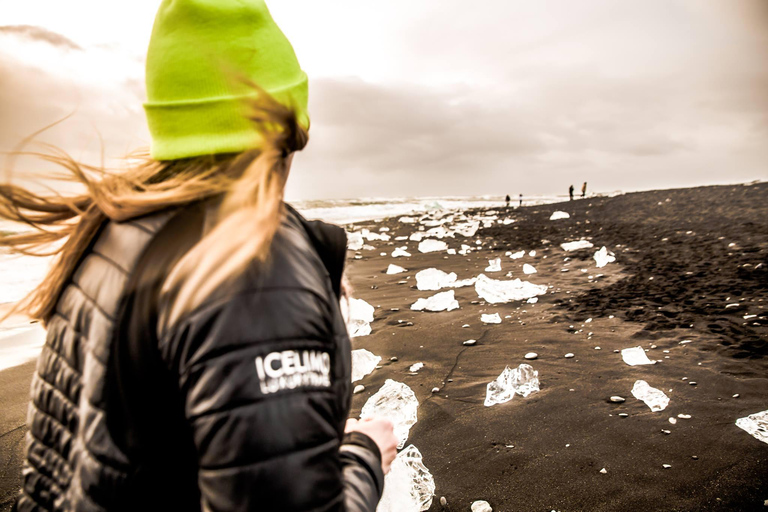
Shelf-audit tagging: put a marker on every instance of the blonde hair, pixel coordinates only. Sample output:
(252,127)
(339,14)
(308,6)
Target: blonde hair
(251,185)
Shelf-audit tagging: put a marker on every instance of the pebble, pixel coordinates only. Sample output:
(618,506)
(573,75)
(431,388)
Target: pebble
(684,416)
(568,355)
(667,432)
(736,395)
(666,466)
(481,506)
(393,358)
(603,471)
(623,415)
(618,399)
(616,351)
(469,342)
(531,355)
(465,326)
(692,383)
(673,420)
(358,389)
(695,457)
(394,309)
(597,348)
(443,501)
(435,390)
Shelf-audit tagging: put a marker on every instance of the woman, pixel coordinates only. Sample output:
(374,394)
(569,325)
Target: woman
(196,357)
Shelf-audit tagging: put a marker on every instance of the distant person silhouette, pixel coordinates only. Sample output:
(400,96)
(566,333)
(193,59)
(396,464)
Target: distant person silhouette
(570,192)
(521,200)
(584,189)
(508,199)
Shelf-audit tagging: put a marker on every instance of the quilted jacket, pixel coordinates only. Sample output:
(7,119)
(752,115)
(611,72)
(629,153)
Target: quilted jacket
(239,405)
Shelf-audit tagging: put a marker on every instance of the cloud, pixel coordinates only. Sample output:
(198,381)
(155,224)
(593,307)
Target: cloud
(40,34)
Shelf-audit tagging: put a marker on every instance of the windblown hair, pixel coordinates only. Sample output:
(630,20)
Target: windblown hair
(251,186)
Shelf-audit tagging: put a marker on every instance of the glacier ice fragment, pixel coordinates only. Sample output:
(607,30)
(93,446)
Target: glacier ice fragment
(522,380)
(409,486)
(433,279)
(653,398)
(396,402)
(635,356)
(496,291)
(443,301)
(363,363)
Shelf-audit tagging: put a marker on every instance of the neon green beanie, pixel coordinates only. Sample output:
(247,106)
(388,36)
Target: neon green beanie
(194,97)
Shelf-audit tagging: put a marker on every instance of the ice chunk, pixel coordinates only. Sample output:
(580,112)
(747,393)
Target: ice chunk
(407,220)
(439,232)
(532,253)
(517,255)
(360,318)
(430,245)
(371,236)
(367,247)
(462,283)
(451,251)
(533,300)
(653,398)
(443,301)
(523,380)
(409,486)
(481,506)
(559,215)
(490,319)
(396,402)
(635,356)
(528,269)
(416,367)
(507,222)
(400,251)
(604,257)
(354,241)
(494,265)
(495,291)
(433,279)
(579,244)
(467,229)
(756,425)
(417,236)
(363,363)
(394,269)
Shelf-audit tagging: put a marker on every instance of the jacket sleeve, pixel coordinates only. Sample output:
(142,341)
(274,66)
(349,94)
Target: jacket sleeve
(260,378)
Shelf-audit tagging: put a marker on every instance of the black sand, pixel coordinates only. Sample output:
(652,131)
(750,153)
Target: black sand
(679,238)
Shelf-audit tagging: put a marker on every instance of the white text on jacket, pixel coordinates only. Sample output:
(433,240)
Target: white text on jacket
(290,369)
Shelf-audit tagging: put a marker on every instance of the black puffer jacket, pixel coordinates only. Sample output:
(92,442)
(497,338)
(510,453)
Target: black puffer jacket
(240,405)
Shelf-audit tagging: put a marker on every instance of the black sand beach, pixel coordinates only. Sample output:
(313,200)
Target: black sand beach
(683,256)
(690,265)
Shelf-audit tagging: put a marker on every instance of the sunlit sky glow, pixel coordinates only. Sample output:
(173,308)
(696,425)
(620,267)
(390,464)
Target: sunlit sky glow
(441,97)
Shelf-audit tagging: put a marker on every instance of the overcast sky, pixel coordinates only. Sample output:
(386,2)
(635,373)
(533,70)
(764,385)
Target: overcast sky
(441,97)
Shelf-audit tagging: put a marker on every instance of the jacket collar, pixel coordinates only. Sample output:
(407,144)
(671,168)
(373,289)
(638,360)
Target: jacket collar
(330,242)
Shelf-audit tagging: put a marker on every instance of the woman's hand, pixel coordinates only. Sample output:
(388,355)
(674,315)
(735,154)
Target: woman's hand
(382,433)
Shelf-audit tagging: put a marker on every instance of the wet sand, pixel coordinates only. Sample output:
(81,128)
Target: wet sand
(691,264)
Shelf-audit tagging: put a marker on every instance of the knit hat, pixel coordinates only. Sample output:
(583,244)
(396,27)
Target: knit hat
(198,54)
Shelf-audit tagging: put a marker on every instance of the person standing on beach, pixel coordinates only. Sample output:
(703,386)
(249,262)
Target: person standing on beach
(508,199)
(584,190)
(570,192)
(521,200)
(196,355)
